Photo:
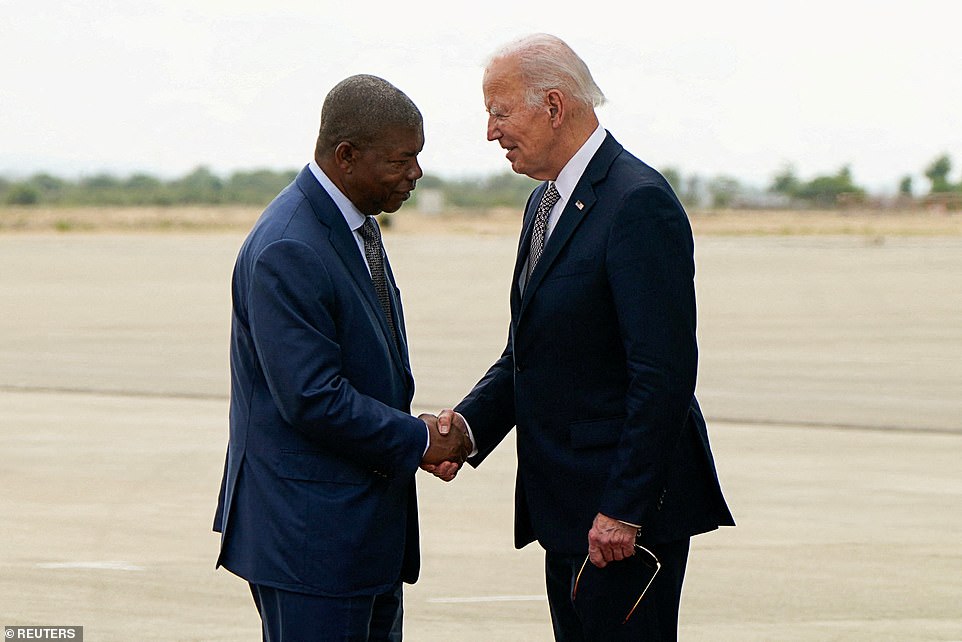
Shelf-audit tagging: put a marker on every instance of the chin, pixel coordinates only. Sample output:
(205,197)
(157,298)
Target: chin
(390,208)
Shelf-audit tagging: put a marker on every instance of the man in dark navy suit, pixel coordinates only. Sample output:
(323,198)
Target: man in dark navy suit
(317,507)
(599,371)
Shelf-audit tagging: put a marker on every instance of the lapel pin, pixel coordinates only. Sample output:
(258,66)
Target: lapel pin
(579,205)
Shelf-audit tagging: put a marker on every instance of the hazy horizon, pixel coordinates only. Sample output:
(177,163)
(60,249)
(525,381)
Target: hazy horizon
(740,89)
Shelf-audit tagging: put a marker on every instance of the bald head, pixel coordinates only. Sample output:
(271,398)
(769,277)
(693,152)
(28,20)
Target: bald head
(362,110)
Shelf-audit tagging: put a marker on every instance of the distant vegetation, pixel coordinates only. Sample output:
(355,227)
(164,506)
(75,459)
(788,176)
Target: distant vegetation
(824,191)
(257,187)
(200,187)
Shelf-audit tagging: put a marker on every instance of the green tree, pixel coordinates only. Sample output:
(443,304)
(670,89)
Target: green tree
(785,182)
(905,186)
(938,172)
(255,187)
(506,189)
(723,191)
(199,186)
(50,189)
(825,190)
(22,194)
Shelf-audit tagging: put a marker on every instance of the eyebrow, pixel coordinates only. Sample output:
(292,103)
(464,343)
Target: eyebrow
(405,153)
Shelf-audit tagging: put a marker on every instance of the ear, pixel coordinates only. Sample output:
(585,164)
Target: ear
(345,155)
(555,105)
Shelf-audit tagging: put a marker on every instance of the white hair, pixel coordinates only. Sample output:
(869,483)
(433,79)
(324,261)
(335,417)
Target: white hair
(547,63)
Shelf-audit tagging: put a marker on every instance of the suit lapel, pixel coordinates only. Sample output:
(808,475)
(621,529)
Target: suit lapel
(345,245)
(579,205)
(570,217)
(524,245)
(400,350)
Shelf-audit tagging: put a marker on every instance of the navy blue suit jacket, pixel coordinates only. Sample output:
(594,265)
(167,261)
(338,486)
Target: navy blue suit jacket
(318,494)
(599,371)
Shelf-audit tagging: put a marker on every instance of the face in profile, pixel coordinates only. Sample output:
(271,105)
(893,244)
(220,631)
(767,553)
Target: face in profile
(382,175)
(525,132)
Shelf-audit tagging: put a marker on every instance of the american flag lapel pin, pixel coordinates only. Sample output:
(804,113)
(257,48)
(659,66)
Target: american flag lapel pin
(579,205)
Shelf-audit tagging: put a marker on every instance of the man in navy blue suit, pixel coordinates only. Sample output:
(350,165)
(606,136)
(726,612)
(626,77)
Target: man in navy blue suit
(317,507)
(599,371)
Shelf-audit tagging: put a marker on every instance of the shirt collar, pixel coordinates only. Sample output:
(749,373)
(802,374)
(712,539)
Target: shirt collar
(571,173)
(350,213)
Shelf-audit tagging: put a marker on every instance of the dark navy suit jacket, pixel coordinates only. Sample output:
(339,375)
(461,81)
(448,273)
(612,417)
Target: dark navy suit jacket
(599,371)
(318,494)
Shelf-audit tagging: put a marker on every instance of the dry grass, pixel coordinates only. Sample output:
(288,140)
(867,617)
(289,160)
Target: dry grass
(866,223)
(119,219)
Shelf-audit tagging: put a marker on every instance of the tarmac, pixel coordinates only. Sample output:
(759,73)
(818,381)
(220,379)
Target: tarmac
(830,373)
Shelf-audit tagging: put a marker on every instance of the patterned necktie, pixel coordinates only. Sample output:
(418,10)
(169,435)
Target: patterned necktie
(374,252)
(550,197)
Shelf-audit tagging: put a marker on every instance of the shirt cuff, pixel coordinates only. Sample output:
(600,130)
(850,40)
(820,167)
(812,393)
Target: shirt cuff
(474,444)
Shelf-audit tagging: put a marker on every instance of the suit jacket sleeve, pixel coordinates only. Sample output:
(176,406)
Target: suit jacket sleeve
(489,407)
(650,265)
(290,307)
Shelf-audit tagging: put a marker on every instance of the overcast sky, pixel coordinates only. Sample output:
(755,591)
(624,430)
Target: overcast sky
(739,88)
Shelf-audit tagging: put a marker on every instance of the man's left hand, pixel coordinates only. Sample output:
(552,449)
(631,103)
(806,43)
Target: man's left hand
(610,540)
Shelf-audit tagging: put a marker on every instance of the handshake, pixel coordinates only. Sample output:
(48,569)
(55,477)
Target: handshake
(450,444)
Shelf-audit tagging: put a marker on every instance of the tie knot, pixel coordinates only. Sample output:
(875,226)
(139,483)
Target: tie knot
(369,230)
(551,195)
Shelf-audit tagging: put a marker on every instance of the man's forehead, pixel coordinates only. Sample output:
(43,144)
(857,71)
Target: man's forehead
(502,77)
(403,141)
(501,92)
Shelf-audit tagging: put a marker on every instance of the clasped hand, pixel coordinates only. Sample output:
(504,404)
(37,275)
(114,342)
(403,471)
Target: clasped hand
(450,444)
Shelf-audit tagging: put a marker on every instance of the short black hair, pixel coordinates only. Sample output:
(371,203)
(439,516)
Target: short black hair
(361,109)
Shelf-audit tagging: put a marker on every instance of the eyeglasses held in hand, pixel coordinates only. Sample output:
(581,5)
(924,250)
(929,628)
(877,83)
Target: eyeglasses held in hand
(649,566)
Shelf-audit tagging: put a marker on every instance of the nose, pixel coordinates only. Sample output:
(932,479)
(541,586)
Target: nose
(415,172)
(493,132)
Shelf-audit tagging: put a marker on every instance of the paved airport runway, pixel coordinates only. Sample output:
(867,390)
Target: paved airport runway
(831,371)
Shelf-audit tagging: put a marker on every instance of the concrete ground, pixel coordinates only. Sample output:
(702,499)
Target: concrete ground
(831,374)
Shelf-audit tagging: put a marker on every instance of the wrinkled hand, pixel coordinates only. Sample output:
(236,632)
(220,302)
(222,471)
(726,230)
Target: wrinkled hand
(610,541)
(448,447)
(448,470)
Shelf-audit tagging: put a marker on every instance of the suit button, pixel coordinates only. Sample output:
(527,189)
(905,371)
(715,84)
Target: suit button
(517,367)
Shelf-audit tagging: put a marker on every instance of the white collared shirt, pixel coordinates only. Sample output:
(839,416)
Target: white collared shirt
(571,173)
(352,215)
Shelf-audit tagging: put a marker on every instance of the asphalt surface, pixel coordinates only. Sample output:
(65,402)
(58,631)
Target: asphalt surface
(831,375)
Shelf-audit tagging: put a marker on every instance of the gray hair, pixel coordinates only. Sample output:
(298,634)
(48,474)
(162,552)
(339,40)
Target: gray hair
(546,63)
(361,109)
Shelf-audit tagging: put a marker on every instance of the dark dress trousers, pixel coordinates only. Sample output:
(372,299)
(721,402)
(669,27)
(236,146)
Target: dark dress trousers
(599,370)
(318,494)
